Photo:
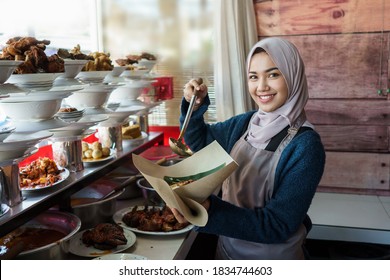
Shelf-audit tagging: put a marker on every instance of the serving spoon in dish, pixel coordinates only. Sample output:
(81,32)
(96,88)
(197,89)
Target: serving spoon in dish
(177,145)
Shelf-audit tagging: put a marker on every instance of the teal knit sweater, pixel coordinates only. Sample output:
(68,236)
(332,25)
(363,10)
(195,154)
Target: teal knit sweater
(298,173)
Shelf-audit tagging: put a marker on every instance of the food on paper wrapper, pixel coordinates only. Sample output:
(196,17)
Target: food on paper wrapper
(181,183)
(131,131)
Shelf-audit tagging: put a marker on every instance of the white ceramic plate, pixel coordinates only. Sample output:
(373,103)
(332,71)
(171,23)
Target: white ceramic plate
(134,73)
(92,76)
(98,160)
(89,120)
(34,126)
(77,247)
(121,256)
(118,219)
(38,96)
(17,140)
(35,78)
(64,175)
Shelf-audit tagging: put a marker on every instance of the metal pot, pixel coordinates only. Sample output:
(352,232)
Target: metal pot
(149,193)
(66,223)
(95,211)
(132,190)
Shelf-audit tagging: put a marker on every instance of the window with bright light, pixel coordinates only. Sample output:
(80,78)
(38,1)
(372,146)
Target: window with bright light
(64,23)
(179,32)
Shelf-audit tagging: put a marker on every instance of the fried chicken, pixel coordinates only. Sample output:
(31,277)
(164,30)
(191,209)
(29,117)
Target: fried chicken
(32,52)
(104,236)
(152,219)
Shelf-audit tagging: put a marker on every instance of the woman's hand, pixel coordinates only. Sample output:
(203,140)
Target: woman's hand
(181,219)
(195,86)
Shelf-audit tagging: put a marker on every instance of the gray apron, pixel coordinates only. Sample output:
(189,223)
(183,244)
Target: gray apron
(251,185)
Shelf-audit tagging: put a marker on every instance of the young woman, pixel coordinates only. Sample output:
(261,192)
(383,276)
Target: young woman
(263,210)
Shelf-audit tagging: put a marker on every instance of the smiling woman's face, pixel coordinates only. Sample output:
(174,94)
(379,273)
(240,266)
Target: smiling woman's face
(266,83)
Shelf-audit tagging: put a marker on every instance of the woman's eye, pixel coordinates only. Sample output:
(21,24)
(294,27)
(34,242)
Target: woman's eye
(274,75)
(252,77)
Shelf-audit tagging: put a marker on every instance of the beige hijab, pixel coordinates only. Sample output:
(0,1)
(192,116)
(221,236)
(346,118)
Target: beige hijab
(286,57)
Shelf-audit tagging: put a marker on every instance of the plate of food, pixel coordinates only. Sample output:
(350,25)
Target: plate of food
(101,159)
(155,220)
(33,177)
(95,152)
(103,239)
(133,133)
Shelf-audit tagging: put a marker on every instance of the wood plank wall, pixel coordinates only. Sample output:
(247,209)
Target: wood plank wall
(345,45)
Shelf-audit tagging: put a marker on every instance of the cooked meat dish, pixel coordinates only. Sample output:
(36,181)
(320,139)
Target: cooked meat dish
(152,219)
(104,236)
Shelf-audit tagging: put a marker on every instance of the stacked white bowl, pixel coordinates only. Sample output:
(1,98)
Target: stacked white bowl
(91,96)
(128,92)
(34,81)
(6,69)
(34,111)
(92,76)
(70,116)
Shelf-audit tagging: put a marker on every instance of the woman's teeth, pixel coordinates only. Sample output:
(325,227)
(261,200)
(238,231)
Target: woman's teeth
(265,97)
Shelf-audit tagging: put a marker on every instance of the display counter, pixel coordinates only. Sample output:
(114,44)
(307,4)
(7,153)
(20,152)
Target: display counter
(39,201)
(153,246)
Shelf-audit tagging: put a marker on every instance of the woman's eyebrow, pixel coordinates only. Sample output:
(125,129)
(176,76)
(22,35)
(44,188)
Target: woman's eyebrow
(266,71)
(271,69)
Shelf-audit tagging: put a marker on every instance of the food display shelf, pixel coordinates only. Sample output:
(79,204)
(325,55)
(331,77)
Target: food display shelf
(40,201)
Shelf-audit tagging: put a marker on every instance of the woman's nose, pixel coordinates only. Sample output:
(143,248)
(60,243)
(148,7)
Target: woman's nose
(262,86)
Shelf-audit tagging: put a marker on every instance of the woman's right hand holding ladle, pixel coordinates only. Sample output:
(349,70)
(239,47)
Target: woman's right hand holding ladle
(195,87)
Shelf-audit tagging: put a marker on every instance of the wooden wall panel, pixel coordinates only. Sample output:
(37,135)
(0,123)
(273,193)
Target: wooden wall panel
(292,17)
(354,138)
(357,170)
(345,45)
(348,112)
(345,65)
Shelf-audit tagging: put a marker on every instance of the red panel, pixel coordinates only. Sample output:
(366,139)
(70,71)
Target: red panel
(163,89)
(169,131)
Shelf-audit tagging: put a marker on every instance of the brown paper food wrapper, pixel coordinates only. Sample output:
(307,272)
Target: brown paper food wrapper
(206,170)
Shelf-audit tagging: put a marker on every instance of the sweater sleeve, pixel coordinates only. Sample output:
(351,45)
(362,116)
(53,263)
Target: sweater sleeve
(298,174)
(199,134)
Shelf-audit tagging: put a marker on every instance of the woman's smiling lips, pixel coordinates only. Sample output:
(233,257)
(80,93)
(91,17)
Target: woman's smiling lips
(265,98)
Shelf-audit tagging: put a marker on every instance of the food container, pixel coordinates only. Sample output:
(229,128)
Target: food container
(150,195)
(111,137)
(148,192)
(130,191)
(67,153)
(63,222)
(90,209)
